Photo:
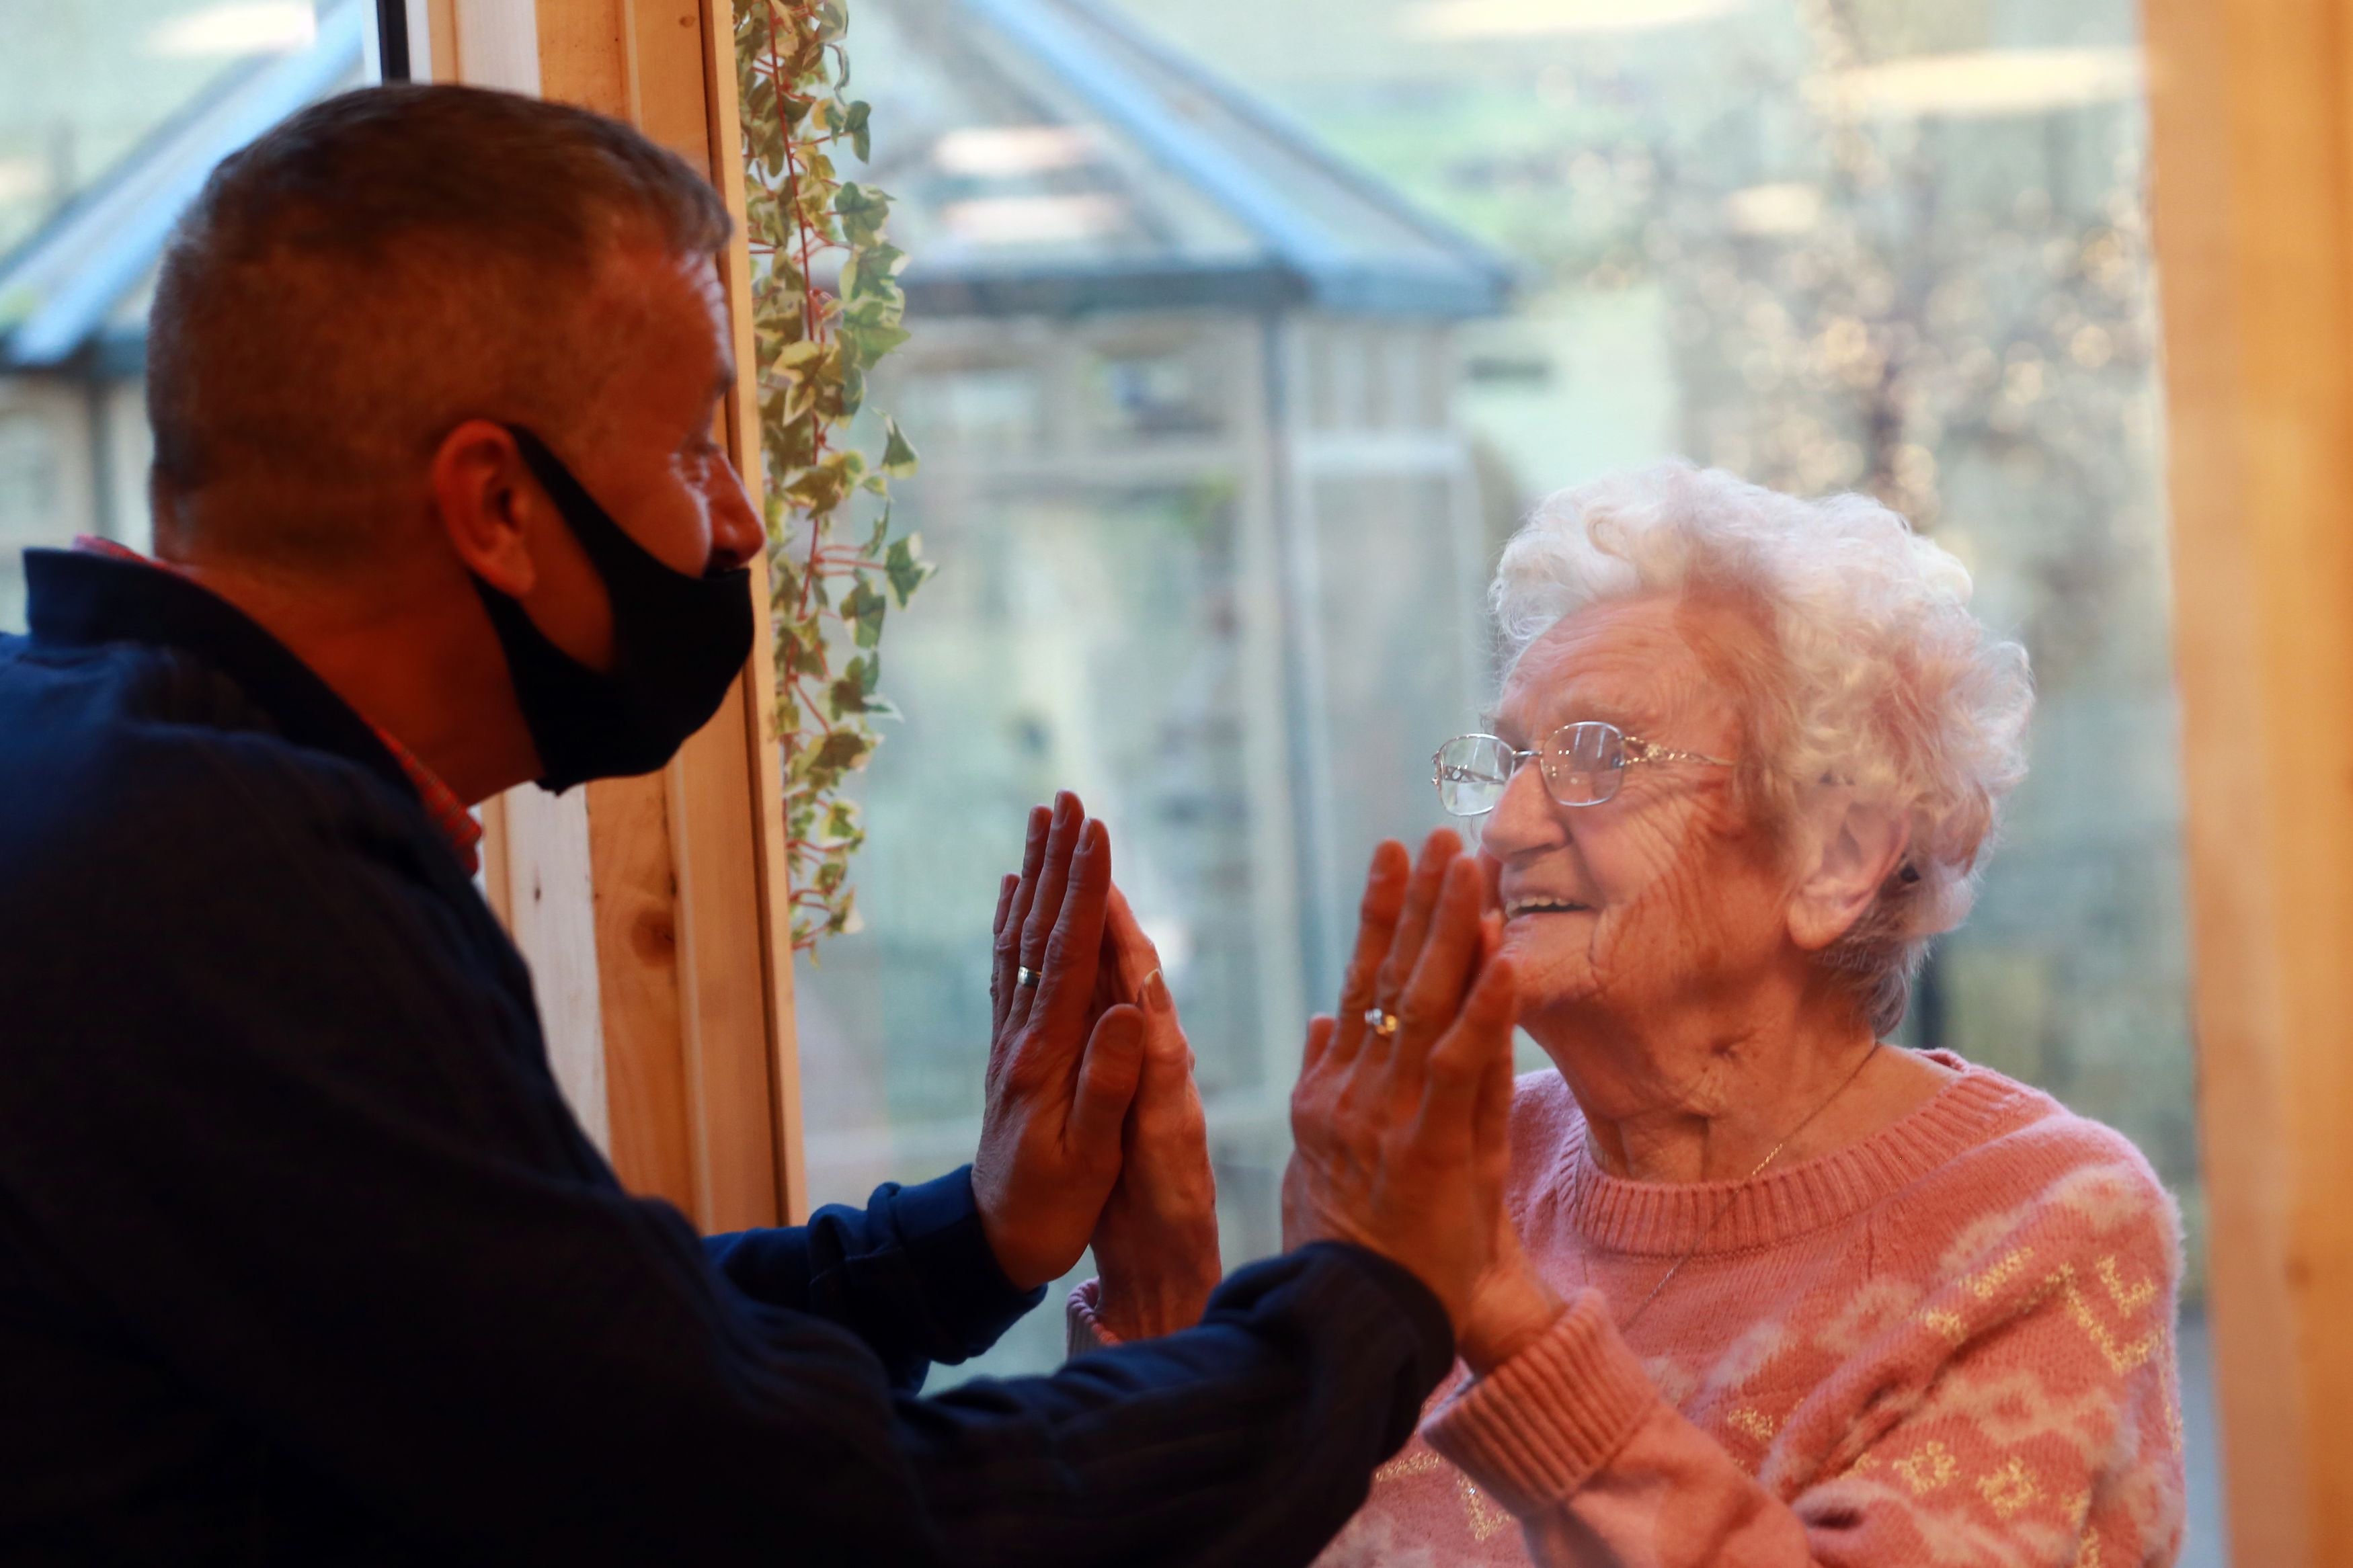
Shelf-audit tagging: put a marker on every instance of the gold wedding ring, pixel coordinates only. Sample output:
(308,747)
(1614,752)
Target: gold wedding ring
(1380,1021)
(1024,975)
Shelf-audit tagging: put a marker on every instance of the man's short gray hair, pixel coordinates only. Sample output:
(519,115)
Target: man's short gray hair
(1877,675)
(374,270)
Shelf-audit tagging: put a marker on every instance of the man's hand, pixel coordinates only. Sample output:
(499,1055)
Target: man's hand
(1156,1242)
(1402,1138)
(1058,1092)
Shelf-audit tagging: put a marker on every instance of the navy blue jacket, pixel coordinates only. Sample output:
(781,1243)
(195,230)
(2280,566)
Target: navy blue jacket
(303,1260)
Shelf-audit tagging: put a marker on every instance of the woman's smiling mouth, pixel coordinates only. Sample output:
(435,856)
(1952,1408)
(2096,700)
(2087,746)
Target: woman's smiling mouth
(1516,907)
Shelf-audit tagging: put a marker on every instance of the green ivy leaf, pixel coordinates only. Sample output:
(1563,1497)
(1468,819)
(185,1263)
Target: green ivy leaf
(813,348)
(898,453)
(864,609)
(905,567)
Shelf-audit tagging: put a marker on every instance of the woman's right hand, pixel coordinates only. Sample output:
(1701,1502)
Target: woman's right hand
(1156,1244)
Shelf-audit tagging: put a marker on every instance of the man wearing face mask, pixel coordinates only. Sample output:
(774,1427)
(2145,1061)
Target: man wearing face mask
(302,1259)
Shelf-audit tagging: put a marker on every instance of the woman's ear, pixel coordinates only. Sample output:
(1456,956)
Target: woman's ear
(1849,856)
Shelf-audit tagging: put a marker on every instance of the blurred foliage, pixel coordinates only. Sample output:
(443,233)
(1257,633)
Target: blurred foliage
(825,306)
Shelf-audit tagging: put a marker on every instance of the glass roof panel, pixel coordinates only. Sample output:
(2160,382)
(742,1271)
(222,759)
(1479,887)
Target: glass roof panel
(84,82)
(1046,141)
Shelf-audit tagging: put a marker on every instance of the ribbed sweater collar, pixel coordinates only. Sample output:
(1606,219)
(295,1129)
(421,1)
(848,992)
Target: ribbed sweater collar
(1669,1218)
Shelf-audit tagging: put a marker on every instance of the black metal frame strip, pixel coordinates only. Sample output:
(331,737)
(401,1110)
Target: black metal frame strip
(392,38)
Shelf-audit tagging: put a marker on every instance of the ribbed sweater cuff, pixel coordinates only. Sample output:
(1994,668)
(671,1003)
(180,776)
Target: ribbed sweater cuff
(1536,1428)
(1084,1322)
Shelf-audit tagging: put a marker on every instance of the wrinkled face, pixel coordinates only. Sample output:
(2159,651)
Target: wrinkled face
(1664,897)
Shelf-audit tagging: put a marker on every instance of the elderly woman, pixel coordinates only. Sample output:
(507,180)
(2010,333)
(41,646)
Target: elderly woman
(1786,1294)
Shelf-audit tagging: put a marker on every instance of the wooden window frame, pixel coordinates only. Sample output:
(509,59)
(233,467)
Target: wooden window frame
(654,910)
(2251,105)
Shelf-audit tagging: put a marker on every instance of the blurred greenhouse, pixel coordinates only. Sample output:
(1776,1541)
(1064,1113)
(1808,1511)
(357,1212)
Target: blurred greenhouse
(1831,244)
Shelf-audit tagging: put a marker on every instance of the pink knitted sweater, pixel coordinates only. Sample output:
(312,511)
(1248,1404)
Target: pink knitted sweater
(1950,1344)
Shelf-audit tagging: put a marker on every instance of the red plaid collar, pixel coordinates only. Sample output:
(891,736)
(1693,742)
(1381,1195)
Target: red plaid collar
(441,802)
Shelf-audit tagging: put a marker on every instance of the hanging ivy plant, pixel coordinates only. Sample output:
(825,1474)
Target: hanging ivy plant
(825,306)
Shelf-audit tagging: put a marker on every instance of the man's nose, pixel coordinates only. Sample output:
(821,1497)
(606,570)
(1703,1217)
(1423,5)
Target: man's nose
(736,534)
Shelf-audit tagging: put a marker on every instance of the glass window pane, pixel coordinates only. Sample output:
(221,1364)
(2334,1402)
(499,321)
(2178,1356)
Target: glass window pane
(111,113)
(1894,247)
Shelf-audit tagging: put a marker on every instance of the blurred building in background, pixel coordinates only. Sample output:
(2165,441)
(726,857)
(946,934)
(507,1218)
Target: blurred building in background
(1897,245)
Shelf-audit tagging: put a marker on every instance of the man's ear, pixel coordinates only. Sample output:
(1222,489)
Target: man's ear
(481,489)
(1849,854)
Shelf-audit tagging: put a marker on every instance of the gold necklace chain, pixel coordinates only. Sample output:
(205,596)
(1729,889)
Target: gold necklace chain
(1734,1197)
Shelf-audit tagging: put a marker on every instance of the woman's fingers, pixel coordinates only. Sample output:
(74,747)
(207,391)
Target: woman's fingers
(1109,1076)
(1320,1029)
(1376,918)
(1136,955)
(1440,852)
(1167,1102)
(1451,954)
(1458,1088)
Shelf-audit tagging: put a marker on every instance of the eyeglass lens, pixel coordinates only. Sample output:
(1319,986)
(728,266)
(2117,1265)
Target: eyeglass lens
(1581,764)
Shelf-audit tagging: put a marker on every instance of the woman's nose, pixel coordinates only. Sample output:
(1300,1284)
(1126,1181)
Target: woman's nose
(1525,819)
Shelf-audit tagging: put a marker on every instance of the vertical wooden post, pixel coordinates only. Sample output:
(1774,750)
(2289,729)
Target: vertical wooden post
(675,938)
(2252,105)
(693,940)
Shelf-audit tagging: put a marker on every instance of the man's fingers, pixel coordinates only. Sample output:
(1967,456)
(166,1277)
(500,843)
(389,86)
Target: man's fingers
(1073,949)
(1377,917)
(1108,1079)
(1008,934)
(1046,899)
(999,980)
(1070,819)
(1458,1070)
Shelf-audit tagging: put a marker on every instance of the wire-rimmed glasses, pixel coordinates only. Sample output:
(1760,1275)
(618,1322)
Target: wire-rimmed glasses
(1582,764)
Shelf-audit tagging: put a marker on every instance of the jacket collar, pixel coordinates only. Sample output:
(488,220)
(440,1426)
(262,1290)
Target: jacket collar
(77,598)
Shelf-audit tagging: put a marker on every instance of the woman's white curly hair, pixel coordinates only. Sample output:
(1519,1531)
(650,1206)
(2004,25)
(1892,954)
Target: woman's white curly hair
(1878,675)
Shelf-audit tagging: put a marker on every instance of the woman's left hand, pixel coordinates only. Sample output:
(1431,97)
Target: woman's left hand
(1156,1242)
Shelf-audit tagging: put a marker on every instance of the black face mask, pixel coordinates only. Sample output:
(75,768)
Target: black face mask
(678,643)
